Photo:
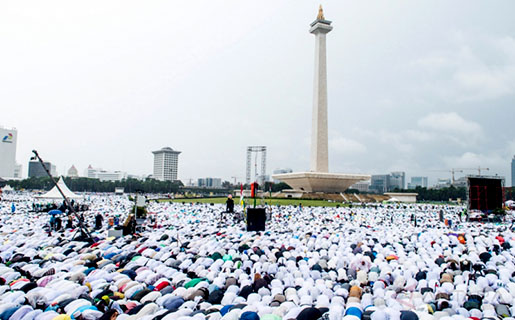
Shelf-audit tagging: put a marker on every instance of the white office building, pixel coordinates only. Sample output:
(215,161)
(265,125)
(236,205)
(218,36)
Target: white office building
(8,140)
(90,172)
(111,175)
(165,164)
(105,175)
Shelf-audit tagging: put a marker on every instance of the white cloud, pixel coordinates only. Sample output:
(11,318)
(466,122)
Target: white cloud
(419,136)
(432,61)
(473,160)
(510,147)
(468,72)
(486,82)
(451,127)
(346,146)
(185,77)
(450,122)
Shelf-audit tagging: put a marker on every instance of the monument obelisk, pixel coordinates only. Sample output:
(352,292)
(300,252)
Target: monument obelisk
(319,140)
(319,179)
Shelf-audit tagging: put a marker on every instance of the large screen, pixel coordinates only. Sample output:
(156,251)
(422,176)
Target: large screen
(485,194)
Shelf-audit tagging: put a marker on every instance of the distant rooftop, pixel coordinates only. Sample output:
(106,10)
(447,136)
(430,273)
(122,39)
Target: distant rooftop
(8,128)
(166,150)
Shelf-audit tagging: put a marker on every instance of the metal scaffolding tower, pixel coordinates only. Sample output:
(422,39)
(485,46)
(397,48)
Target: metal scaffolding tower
(256,150)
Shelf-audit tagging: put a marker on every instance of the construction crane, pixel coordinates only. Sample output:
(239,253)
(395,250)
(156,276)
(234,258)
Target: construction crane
(452,171)
(455,170)
(478,169)
(235,179)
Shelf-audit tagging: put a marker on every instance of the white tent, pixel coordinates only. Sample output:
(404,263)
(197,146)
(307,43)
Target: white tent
(55,194)
(393,200)
(7,188)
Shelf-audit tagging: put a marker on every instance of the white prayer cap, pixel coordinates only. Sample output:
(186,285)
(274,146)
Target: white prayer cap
(504,296)
(253,298)
(306,300)
(379,314)
(476,313)
(322,301)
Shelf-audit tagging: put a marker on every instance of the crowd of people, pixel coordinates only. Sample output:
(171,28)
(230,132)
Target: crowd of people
(366,262)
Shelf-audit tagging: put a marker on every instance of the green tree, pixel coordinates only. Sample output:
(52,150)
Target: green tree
(274,187)
(95,185)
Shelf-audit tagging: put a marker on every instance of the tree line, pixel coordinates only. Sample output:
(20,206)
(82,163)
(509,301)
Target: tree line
(443,194)
(155,186)
(95,185)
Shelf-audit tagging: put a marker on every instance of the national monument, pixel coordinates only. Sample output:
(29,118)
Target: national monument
(318,179)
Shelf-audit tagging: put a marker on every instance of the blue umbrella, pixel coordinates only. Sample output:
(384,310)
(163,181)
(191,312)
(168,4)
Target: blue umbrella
(54,212)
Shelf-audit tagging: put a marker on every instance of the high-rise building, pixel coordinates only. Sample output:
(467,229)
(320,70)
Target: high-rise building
(442,183)
(36,170)
(362,186)
(397,181)
(281,171)
(17,171)
(461,182)
(90,172)
(379,183)
(165,164)
(209,182)
(8,140)
(513,172)
(418,182)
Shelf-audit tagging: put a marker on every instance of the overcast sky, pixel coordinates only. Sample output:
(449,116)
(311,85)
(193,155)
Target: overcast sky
(413,86)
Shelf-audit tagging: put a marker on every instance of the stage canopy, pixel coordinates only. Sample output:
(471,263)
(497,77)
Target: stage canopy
(54,193)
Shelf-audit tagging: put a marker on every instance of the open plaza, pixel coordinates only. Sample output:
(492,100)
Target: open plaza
(188,261)
(424,88)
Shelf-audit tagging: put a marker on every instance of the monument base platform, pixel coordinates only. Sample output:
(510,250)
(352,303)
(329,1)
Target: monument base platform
(320,181)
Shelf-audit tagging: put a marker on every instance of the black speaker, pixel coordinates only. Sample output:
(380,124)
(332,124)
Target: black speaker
(256,218)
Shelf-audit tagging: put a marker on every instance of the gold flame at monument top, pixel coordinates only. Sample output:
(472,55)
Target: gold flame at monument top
(320,13)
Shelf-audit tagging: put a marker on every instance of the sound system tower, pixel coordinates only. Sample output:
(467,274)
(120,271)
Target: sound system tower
(256,218)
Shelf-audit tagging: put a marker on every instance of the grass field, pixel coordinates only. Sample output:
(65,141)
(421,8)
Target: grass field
(281,202)
(270,201)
